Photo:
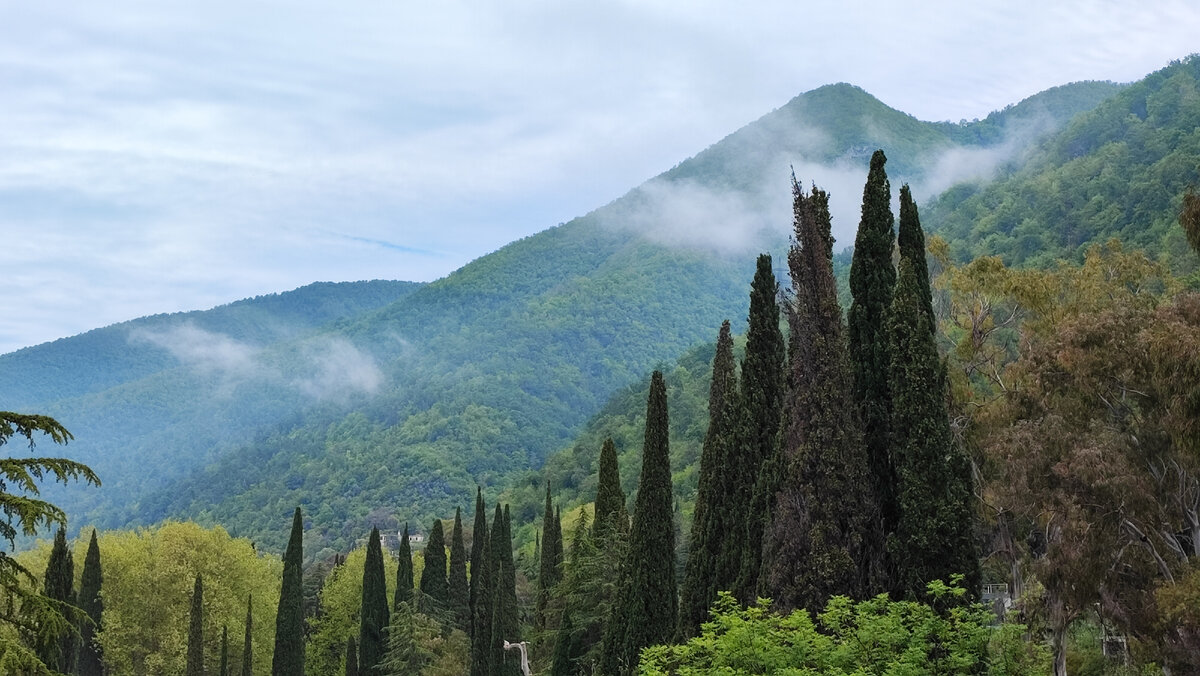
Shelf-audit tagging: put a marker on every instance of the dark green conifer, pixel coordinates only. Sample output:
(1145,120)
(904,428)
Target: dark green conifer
(459,595)
(912,247)
(816,544)
(483,591)
(563,647)
(57,652)
(872,283)
(756,437)
(223,669)
(435,590)
(646,611)
(91,605)
(248,642)
(934,538)
(374,617)
(550,565)
(404,573)
(700,582)
(404,653)
(610,499)
(352,654)
(287,658)
(195,646)
(559,551)
(506,618)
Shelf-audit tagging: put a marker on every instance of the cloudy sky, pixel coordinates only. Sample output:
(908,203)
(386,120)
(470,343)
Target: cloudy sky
(163,156)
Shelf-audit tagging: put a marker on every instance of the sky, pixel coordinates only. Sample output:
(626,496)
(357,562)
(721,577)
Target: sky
(166,156)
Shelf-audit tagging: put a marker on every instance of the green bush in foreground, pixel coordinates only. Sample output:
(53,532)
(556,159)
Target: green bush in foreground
(877,636)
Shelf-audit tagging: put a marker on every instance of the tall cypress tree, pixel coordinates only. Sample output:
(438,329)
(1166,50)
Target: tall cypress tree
(288,656)
(912,247)
(482,591)
(756,432)
(610,499)
(700,581)
(459,594)
(195,646)
(496,575)
(435,590)
(374,616)
(404,573)
(506,625)
(646,612)
(935,535)
(223,669)
(872,283)
(550,565)
(816,545)
(564,647)
(352,655)
(88,662)
(57,652)
(248,642)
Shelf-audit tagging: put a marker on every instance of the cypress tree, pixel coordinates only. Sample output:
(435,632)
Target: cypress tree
(57,652)
(496,576)
(563,647)
(404,573)
(195,647)
(816,544)
(88,662)
(459,593)
(223,669)
(610,499)
(700,582)
(559,551)
(934,538)
(435,590)
(646,612)
(506,624)
(550,565)
(872,283)
(483,590)
(248,642)
(912,247)
(761,403)
(374,616)
(352,654)
(288,656)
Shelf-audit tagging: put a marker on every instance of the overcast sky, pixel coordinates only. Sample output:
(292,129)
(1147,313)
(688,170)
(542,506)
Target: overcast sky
(165,156)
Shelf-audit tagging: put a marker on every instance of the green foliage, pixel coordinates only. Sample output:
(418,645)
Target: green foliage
(459,593)
(91,607)
(58,651)
(288,657)
(483,590)
(404,572)
(195,642)
(610,499)
(876,636)
(435,591)
(550,565)
(341,612)
(709,523)
(506,624)
(373,620)
(352,650)
(646,610)
(248,639)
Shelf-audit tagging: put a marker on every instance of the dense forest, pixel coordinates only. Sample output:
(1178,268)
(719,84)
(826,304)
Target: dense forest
(934,455)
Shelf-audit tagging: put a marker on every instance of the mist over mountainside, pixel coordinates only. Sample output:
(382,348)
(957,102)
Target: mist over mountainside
(394,410)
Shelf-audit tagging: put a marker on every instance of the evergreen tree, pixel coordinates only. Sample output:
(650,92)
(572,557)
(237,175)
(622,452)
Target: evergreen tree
(816,544)
(223,669)
(435,590)
(288,656)
(559,551)
(404,654)
(459,593)
(912,247)
(872,283)
(935,536)
(352,651)
(483,589)
(563,647)
(248,642)
(646,611)
(374,617)
(88,662)
(57,651)
(195,647)
(700,582)
(610,499)
(404,573)
(479,545)
(506,619)
(761,404)
(550,565)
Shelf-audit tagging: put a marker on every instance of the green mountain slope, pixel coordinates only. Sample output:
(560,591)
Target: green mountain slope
(1118,170)
(501,363)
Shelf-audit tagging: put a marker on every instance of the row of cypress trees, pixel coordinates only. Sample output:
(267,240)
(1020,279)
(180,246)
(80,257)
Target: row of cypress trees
(76,654)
